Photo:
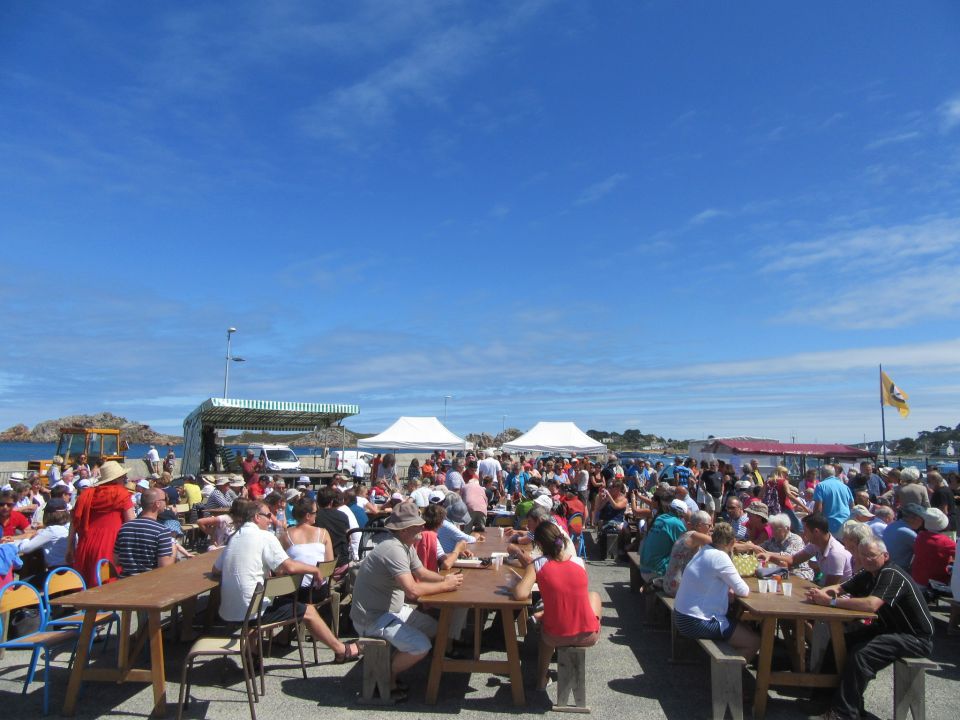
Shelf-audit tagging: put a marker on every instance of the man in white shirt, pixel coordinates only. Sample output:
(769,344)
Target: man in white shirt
(152,460)
(251,551)
(360,470)
(491,467)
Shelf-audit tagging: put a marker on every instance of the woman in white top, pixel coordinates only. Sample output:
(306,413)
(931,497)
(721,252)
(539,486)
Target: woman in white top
(309,544)
(703,598)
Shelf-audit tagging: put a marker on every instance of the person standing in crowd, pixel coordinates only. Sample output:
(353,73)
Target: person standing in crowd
(832,499)
(387,473)
(170,460)
(911,489)
(152,461)
(98,516)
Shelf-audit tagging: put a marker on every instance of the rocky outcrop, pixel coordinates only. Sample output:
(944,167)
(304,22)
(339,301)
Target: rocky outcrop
(18,433)
(132,432)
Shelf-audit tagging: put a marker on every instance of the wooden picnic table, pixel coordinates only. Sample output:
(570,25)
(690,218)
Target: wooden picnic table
(770,608)
(151,593)
(483,589)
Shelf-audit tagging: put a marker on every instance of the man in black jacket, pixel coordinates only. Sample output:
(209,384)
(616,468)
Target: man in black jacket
(334,522)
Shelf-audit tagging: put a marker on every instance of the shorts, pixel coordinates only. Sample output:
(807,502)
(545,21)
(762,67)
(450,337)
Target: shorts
(278,612)
(408,630)
(584,639)
(711,503)
(692,627)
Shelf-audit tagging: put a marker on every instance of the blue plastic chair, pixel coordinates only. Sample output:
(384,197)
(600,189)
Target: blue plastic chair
(20,595)
(66,580)
(105,571)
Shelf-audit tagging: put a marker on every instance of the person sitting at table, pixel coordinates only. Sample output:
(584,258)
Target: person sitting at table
(521,544)
(334,522)
(933,551)
(389,575)
(99,514)
(665,531)
(429,549)
(609,508)
(252,552)
(51,539)
(571,613)
(852,533)
(686,546)
(144,543)
(12,521)
(703,599)
(787,542)
(308,543)
(903,627)
(834,560)
(758,530)
(448,534)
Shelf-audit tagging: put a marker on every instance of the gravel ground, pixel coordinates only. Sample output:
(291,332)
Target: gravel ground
(628,676)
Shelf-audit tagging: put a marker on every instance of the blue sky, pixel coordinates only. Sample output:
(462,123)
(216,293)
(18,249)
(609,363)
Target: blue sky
(691,218)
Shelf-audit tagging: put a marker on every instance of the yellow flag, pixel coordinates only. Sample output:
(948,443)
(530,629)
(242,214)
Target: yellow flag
(892,395)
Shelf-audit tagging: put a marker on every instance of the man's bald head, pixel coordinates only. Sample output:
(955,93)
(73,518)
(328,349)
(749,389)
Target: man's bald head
(150,498)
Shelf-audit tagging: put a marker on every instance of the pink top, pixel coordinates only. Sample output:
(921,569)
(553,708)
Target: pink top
(475,497)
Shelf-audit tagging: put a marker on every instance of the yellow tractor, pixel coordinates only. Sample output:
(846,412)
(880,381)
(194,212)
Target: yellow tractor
(95,443)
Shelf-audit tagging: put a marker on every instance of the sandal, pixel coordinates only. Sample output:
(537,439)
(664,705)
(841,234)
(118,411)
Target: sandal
(397,695)
(352,654)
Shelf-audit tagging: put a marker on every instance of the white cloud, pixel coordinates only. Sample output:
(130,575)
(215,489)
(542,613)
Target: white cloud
(707,215)
(600,189)
(892,139)
(950,113)
(884,249)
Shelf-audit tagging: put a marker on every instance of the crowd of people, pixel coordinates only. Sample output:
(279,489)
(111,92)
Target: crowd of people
(865,536)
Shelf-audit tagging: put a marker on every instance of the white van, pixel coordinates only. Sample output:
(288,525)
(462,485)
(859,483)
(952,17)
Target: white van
(345,459)
(277,458)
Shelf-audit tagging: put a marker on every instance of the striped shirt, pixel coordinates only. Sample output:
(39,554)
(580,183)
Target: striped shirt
(904,609)
(140,545)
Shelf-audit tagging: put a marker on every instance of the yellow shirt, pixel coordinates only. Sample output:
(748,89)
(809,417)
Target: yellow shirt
(193,494)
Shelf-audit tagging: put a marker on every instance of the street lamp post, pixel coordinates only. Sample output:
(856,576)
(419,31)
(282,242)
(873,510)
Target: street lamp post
(445,398)
(503,425)
(227,361)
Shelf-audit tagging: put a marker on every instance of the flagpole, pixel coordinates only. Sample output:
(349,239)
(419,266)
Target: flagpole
(883,419)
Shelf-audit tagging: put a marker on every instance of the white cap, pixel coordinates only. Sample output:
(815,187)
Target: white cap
(143,483)
(544,501)
(16,476)
(303,480)
(437,496)
(84,483)
(680,506)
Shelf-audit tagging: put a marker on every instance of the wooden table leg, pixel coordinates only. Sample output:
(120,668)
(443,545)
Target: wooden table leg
(155,629)
(79,661)
(763,666)
(123,642)
(439,647)
(479,620)
(509,618)
(839,645)
(800,644)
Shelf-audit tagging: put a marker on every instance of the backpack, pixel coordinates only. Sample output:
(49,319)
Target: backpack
(771,498)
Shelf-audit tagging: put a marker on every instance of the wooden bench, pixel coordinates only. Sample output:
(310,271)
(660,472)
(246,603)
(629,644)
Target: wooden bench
(677,641)
(635,580)
(376,672)
(726,681)
(571,675)
(909,687)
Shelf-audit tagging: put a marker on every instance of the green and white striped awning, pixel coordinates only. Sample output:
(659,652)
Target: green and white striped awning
(268,415)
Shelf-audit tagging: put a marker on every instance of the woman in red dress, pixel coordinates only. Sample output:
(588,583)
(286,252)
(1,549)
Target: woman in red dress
(97,517)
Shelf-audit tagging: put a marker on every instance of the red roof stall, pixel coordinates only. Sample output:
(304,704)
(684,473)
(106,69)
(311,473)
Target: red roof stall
(772,447)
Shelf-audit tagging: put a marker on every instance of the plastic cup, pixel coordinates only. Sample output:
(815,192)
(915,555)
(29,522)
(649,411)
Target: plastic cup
(502,531)
(787,589)
(497,562)
(762,585)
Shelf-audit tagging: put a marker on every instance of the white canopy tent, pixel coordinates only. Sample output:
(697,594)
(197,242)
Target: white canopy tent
(556,437)
(415,433)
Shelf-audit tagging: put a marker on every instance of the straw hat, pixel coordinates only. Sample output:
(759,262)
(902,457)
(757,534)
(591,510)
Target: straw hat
(404,515)
(111,470)
(758,508)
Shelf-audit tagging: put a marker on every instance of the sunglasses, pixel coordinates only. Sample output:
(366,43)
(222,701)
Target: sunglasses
(265,515)
(6,504)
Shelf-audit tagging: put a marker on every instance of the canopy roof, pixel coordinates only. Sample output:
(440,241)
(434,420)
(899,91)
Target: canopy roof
(556,437)
(416,433)
(772,447)
(266,415)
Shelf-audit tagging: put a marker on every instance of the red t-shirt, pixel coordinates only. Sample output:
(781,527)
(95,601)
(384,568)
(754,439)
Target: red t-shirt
(932,552)
(566,602)
(16,521)
(249,468)
(574,505)
(255,490)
